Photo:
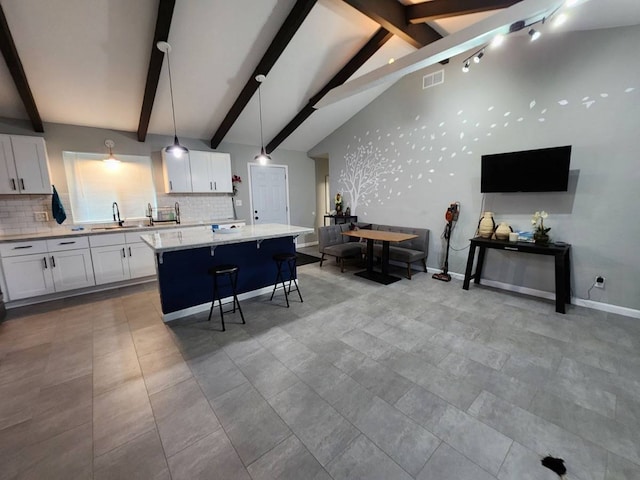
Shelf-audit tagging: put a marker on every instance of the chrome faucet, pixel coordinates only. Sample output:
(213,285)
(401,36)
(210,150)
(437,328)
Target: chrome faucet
(116,212)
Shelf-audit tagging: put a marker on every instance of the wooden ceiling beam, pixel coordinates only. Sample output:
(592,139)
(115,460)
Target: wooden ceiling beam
(374,44)
(435,9)
(391,14)
(163,24)
(288,29)
(16,69)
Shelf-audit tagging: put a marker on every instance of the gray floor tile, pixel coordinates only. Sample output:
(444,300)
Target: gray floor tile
(287,460)
(121,415)
(267,374)
(363,460)
(366,343)
(628,411)
(250,422)
(319,426)
(621,469)
(183,416)
(18,398)
(406,442)
(114,369)
(423,407)
(448,463)
(216,374)
(152,338)
(23,363)
(524,464)
(381,381)
(213,455)
(584,394)
(540,435)
(163,368)
(142,457)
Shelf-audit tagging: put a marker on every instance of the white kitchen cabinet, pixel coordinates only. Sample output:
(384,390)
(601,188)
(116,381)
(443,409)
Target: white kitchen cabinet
(199,172)
(28,276)
(24,167)
(210,172)
(110,264)
(177,173)
(119,256)
(71,269)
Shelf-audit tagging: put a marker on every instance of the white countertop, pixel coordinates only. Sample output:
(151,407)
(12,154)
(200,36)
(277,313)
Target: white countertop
(204,237)
(101,230)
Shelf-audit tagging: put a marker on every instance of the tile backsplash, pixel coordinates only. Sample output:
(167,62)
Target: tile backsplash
(17,212)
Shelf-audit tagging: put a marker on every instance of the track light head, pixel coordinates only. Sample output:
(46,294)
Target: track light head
(465,67)
(534,34)
(478,56)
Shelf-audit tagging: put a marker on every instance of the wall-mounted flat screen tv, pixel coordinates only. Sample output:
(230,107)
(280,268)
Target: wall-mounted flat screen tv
(542,170)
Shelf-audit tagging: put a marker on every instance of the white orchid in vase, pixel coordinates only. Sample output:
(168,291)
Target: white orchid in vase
(540,232)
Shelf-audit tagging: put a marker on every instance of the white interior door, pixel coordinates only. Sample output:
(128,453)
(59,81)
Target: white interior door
(269,194)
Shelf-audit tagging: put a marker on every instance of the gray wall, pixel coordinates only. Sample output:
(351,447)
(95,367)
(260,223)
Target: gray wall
(423,148)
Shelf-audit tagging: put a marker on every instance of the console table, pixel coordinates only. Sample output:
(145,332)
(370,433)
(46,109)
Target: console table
(337,219)
(559,252)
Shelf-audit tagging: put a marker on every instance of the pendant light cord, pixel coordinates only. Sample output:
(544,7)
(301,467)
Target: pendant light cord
(173,108)
(260,109)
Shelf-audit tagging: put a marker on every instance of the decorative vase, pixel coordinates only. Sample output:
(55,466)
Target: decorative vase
(540,238)
(487,225)
(503,231)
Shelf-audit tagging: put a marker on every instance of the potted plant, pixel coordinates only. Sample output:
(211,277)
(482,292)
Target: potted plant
(540,232)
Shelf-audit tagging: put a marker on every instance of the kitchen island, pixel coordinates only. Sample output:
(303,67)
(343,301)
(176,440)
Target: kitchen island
(183,258)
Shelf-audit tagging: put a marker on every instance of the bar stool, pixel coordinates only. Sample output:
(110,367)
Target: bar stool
(230,273)
(290,260)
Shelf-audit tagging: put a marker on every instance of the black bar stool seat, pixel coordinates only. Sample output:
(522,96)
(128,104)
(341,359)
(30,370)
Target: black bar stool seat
(290,260)
(230,274)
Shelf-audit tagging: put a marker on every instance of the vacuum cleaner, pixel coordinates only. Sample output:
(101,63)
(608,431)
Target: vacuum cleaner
(451,216)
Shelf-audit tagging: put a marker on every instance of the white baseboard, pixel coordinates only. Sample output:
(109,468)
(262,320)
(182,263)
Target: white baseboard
(604,307)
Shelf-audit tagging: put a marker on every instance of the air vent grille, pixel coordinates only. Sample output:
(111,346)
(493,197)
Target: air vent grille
(433,79)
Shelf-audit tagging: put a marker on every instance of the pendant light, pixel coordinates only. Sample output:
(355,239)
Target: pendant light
(176,149)
(111,160)
(262,158)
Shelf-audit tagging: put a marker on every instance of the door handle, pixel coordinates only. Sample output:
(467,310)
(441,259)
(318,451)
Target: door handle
(255,218)
(215,185)
(22,183)
(45,262)
(13,184)
(170,185)
(124,255)
(129,251)
(53,262)
(210,185)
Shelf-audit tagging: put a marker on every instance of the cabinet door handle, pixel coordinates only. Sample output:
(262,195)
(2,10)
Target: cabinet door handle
(124,255)
(22,183)
(170,185)
(23,246)
(129,251)
(13,184)
(210,185)
(45,262)
(66,243)
(215,186)
(53,262)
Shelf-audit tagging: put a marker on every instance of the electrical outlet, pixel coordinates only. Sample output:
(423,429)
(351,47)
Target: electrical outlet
(41,216)
(599,282)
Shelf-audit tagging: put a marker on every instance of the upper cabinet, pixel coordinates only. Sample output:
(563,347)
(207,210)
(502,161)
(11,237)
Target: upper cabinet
(199,172)
(24,167)
(177,174)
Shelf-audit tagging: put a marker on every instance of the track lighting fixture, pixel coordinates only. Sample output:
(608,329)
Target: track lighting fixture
(175,149)
(534,34)
(478,56)
(465,67)
(262,158)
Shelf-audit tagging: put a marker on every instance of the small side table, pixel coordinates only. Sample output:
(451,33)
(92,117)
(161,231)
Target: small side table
(338,219)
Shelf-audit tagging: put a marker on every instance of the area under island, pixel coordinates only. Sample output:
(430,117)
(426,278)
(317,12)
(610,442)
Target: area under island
(183,258)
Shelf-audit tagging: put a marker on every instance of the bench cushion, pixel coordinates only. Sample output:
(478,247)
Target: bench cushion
(400,254)
(343,250)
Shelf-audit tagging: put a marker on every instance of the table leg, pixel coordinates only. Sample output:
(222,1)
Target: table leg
(369,255)
(479,265)
(560,277)
(385,258)
(467,272)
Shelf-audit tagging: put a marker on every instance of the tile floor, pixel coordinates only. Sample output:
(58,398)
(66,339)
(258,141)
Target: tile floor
(419,379)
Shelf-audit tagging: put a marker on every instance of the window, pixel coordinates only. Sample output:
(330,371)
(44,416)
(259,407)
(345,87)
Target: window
(94,185)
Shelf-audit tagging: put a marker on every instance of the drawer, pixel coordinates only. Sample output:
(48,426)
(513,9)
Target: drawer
(134,237)
(61,244)
(102,240)
(13,249)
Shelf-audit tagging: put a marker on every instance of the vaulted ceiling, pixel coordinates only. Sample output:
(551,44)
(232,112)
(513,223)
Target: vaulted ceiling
(94,62)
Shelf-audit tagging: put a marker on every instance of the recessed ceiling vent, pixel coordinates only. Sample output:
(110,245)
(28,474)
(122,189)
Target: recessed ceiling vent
(433,79)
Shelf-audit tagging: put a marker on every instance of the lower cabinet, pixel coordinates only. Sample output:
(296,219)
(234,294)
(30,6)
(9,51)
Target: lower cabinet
(46,272)
(126,258)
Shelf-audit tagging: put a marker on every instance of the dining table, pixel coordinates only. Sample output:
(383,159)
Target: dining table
(386,238)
